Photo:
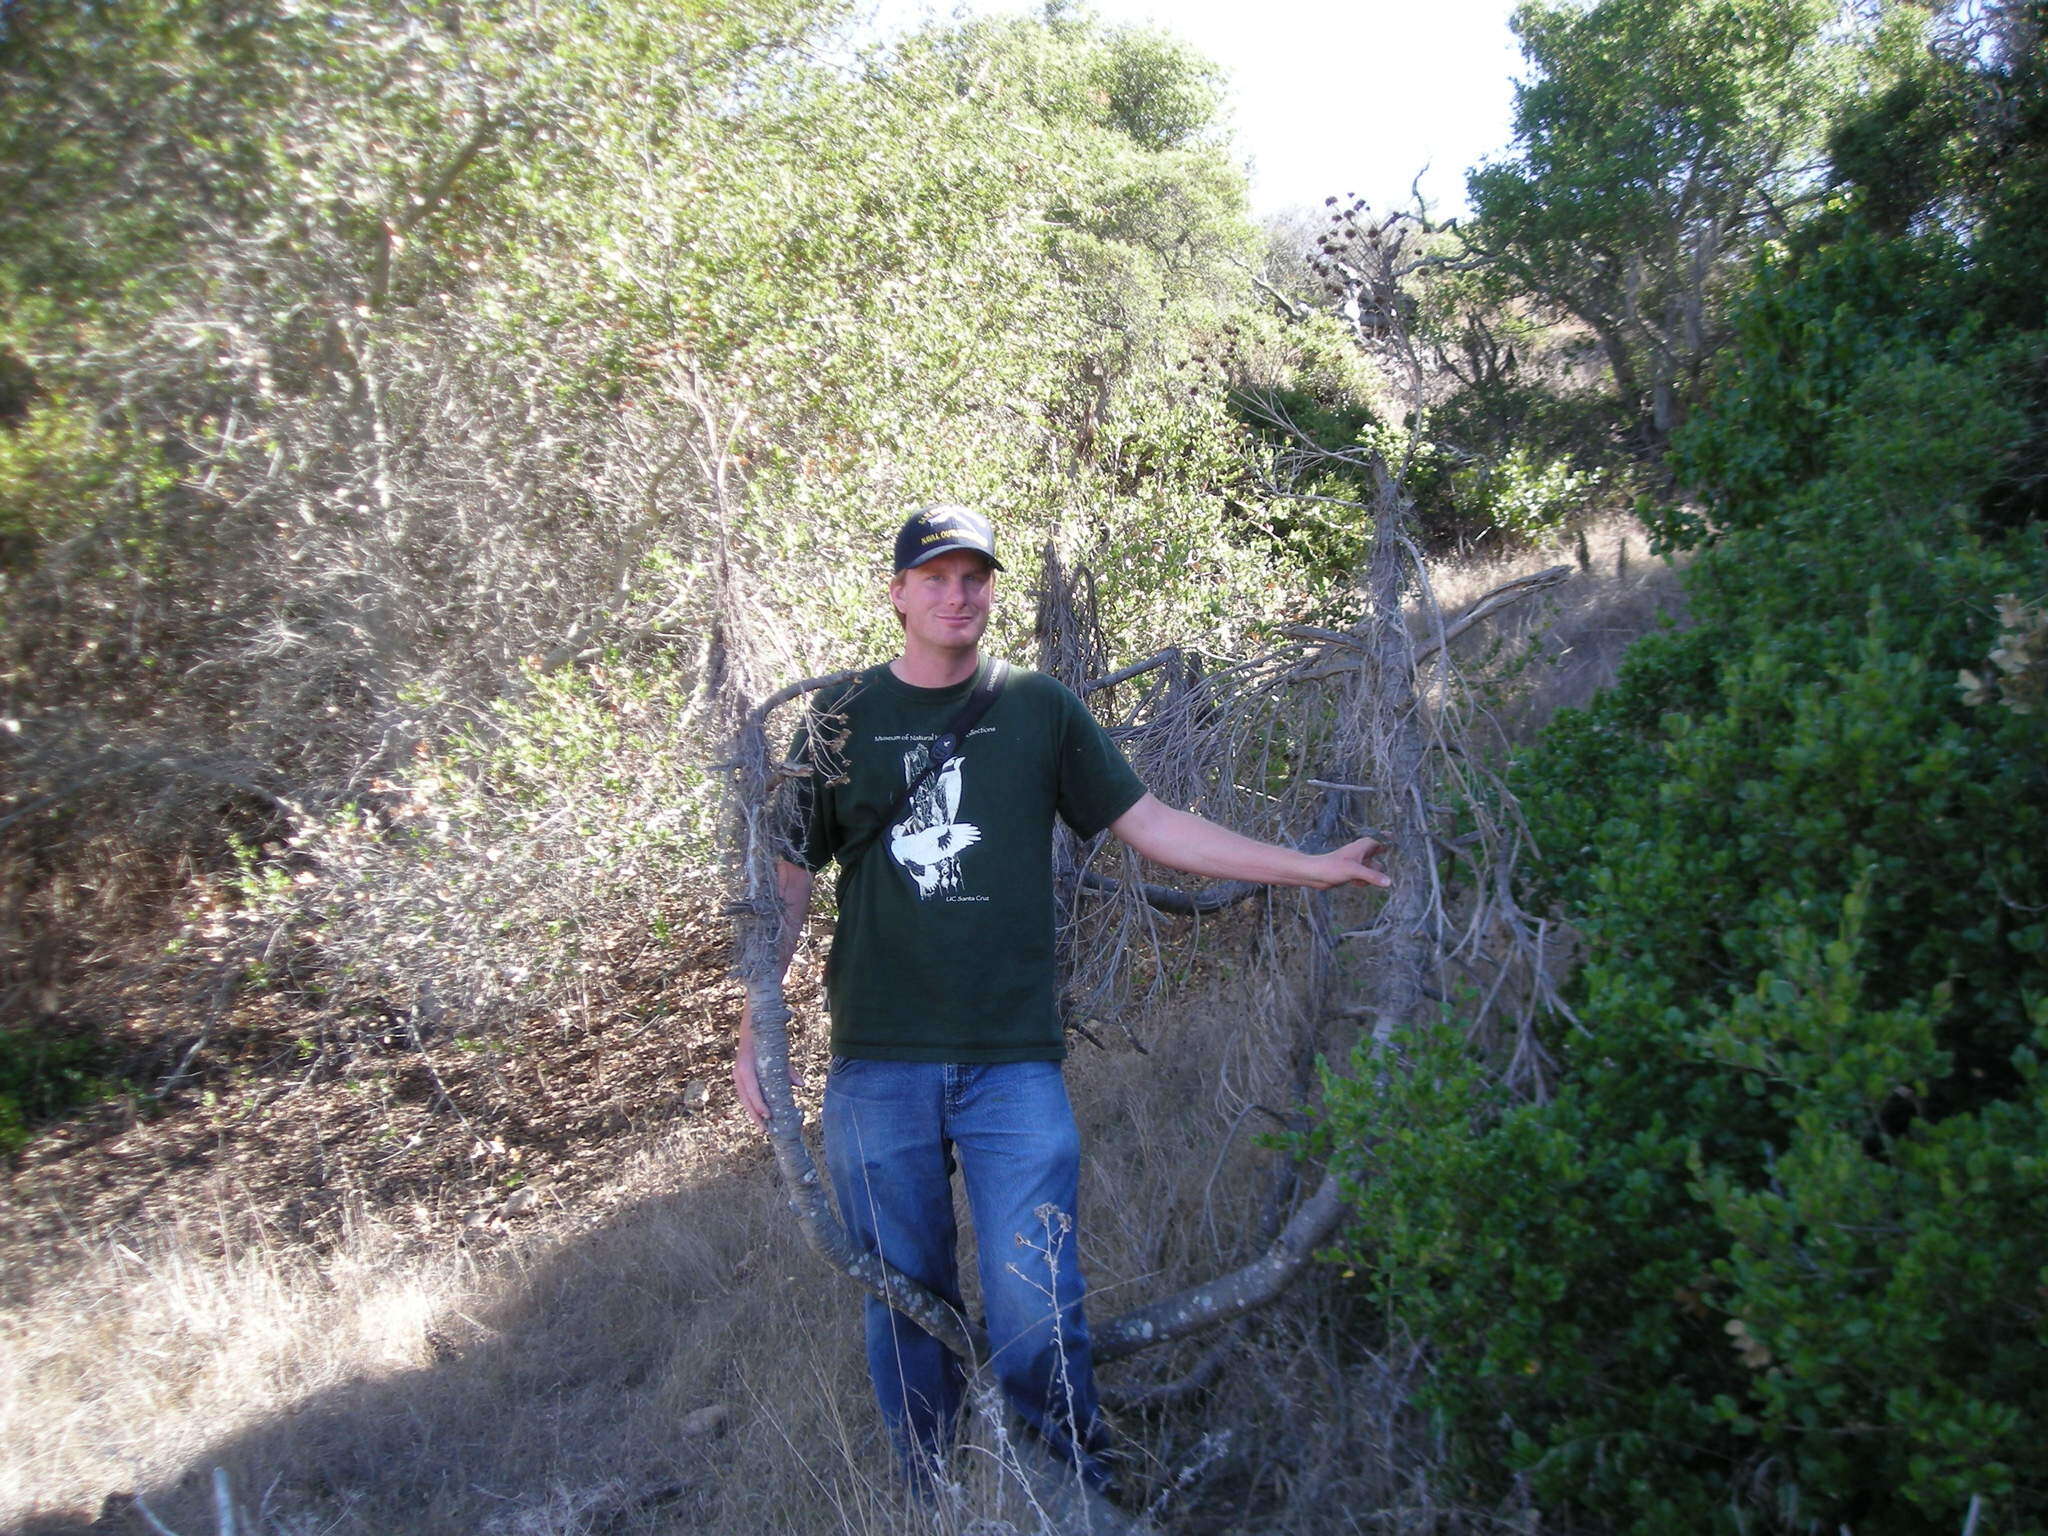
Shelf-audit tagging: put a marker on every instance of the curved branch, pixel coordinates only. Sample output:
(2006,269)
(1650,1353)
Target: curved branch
(1199,1378)
(757,717)
(1502,596)
(1232,1295)
(806,1190)
(1159,659)
(759,917)
(1164,898)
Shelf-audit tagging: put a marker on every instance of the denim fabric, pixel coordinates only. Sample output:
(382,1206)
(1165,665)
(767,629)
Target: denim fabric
(894,1131)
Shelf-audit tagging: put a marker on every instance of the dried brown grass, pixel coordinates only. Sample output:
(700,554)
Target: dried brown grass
(391,1385)
(1557,650)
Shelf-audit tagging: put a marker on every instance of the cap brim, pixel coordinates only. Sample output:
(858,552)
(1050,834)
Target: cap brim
(947,549)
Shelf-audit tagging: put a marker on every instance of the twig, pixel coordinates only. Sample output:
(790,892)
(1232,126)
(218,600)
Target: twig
(1163,658)
(223,1502)
(149,1518)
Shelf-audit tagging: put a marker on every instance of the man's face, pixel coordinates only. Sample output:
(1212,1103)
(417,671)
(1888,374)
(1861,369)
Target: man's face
(944,602)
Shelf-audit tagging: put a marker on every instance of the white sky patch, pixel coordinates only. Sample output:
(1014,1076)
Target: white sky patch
(1328,98)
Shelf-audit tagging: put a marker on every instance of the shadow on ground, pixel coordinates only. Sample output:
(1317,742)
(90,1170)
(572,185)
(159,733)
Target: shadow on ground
(654,1373)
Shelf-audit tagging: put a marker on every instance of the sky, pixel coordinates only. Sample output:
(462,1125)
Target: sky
(1334,97)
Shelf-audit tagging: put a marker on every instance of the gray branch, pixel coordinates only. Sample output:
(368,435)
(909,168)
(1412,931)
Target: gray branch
(1233,1295)
(1502,596)
(1164,898)
(759,919)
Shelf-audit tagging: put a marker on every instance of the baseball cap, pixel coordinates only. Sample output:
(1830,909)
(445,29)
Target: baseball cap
(934,530)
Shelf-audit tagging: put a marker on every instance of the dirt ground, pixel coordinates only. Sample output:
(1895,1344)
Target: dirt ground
(464,1139)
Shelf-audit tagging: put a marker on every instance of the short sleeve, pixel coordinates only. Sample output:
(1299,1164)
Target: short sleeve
(1096,784)
(810,842)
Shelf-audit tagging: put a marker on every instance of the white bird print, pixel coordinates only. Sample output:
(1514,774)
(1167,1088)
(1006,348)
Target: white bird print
(933,843)
(928,842)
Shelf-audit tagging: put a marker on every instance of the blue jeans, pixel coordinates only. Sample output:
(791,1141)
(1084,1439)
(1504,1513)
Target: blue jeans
(893,1132)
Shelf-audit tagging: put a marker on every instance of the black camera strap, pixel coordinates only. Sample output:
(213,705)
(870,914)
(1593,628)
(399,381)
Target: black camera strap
(937,752)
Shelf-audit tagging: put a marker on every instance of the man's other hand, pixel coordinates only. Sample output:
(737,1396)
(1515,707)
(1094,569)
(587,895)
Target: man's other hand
(746,1077)
(746,1081)
(1354,864)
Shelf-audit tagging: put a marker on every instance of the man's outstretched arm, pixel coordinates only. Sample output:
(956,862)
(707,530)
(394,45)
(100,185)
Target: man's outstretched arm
(793,884)
(1181,840)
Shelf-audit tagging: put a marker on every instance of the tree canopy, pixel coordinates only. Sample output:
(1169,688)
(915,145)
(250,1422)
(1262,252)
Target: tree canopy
(1656,147)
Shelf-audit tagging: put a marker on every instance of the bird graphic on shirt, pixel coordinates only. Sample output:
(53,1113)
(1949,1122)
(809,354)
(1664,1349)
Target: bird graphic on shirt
(928,842)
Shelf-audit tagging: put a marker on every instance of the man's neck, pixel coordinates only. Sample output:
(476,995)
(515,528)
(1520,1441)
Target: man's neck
(924,668)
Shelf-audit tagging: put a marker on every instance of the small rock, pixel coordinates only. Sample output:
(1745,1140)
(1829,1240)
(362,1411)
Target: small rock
(521,1200)
(707,1423)
(696,1093)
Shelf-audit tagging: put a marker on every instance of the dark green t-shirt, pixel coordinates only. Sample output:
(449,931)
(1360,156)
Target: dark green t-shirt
(944,948)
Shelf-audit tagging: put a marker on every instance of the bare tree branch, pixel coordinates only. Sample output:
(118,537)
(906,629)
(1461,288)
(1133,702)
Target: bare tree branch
(1164,898)
(1168,657)
(759,918)
(1502,596)
(1244,1290)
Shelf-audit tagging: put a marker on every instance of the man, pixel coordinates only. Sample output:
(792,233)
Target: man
(946,1041)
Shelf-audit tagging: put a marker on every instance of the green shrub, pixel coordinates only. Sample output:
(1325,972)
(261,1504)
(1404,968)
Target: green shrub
(45,1073)
(1769,1257)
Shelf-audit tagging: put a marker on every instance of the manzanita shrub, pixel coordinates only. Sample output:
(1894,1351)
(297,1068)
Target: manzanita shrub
(1773,1255)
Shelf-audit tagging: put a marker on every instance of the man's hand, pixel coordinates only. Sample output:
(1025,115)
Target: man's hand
(1354,864)
(1180,840)
(746,1081)
(746,1077)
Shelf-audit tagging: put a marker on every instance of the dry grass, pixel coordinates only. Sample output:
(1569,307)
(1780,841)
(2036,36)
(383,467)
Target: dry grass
(1573,635)
(402,1379)
(538,1388)
(390,1386)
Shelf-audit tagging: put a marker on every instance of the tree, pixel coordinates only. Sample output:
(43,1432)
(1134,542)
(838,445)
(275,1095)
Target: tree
(1658,146)
(1756,1261)
(393,410)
